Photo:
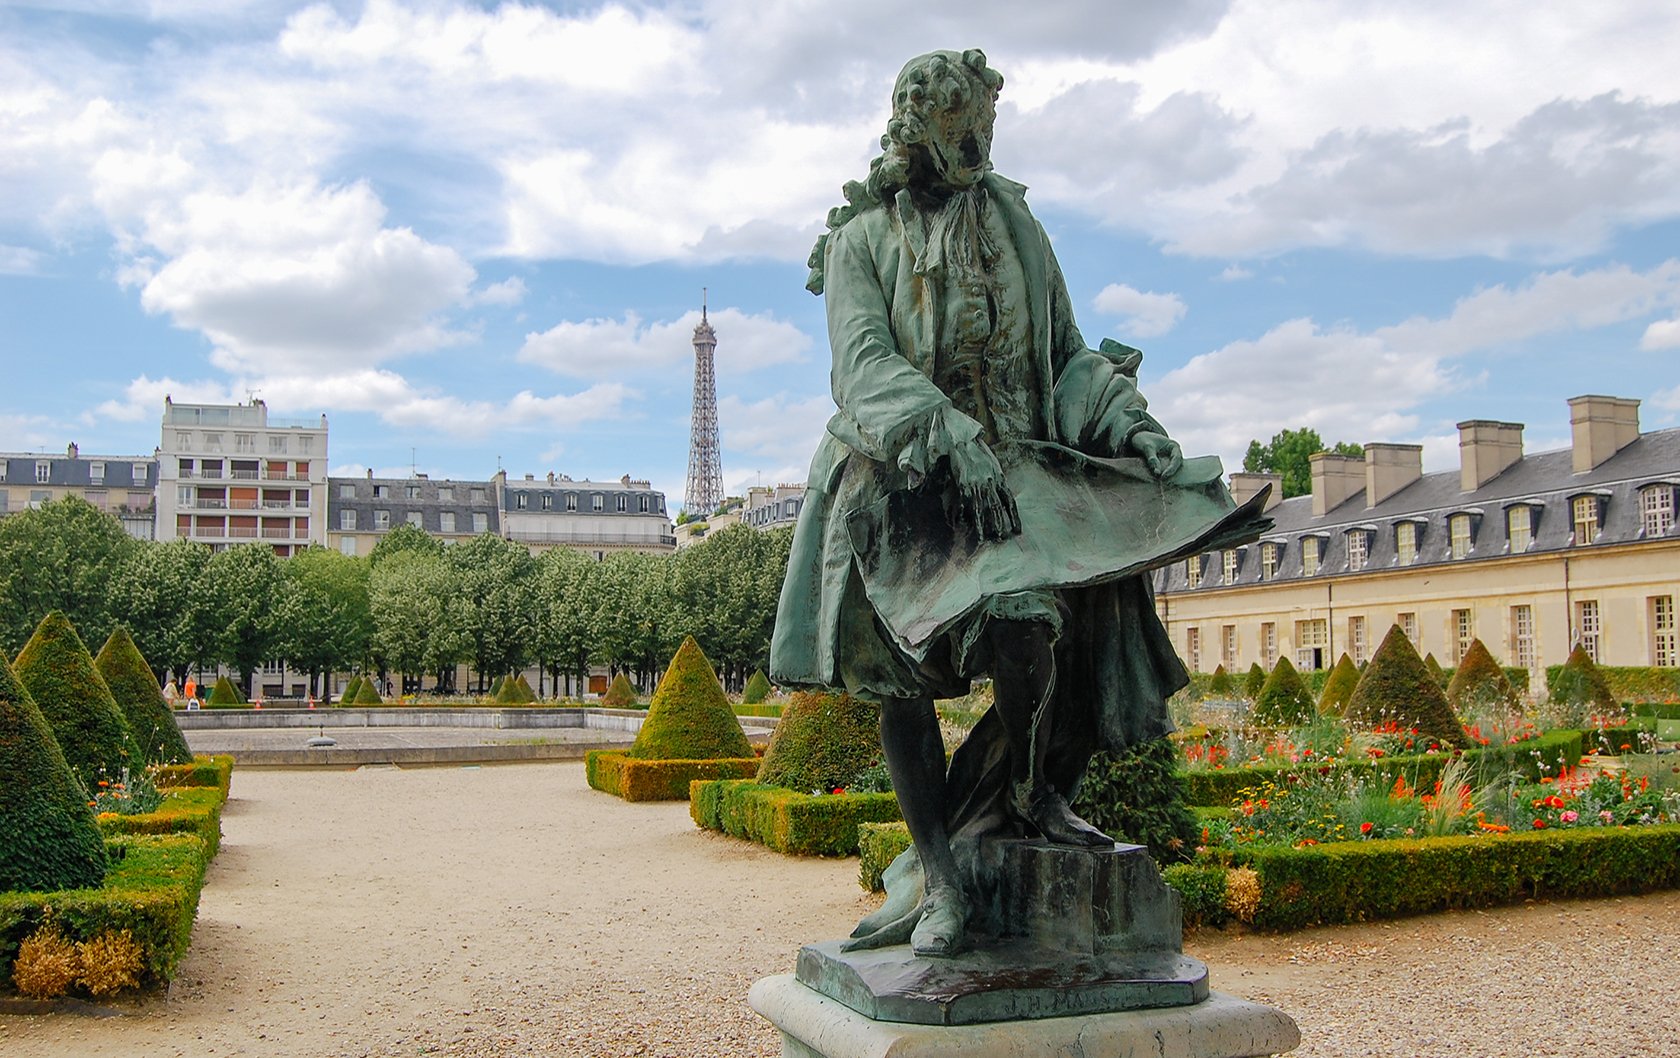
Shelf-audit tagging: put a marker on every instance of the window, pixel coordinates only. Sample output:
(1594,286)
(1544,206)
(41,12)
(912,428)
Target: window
(139,472)
(1359,547)
(477,495)
(1663,644)
(382,520)
(1656,510)
(644,500)
(43,472)
(1405,542)
(547,501)
(597,502)
(184,496)
(1229,561)
(346,491)
(446,493)
(411,492)
(38,497)
(446,521)
(347,546)
(520,500)
(1228,647)
(1585,514)
(96,497)
(1356,640)
(183,439)
(347,521)
(1408,626)
(1312,643)
(1519,527)
(276,444)
(1310,550)
(1458,527)
(306,443)
(96,473)
(244,442)
(1587,626)
(1269,560)
(2,468)
(1463,631)
(571,501)
(1522,636)
(382,492)
(1193,571)
(1268,644)
(481,522)
(212,442)
(623,504)
(1193,649)
(416,519)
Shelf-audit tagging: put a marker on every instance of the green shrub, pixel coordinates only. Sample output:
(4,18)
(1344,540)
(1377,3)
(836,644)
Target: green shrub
(1221,685)
(48,838)
(193,810)
(620,695)
(1397,688)
(1201,891)
(1441,676)
(761,709)
(1254,682)
(224,695)
(58,672)
(1655,710)
(151,723)
(1284,701)
(615,772)
(1138,796)
(824,742)
(496,686)
(1338,687)
(214,771)
(1643,684)
(757,689)
(786,820)
(689,718)
(1478,684)
(367,693)
(350,690)
(515,690)
(878,845)
(1578,684)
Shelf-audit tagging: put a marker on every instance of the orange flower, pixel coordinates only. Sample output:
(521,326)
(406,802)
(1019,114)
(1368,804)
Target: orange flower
(1365,828)
(1539,824)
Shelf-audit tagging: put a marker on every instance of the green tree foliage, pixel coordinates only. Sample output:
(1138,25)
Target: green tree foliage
(823,741)
(689,718)
(48,837)
(1220,684)
(494,609)
(1138,796)
(1396,687)
(324,618)
(1338,687)
(412,598)
(725,591)
(629,605)
(224,695)
(163,595)
(1254,682)
(66,555)
(151,724)
(58,672)
(1479,685)
(619,693)
(1289,454)
(1580,684)
(1284,700)
(402,539)
(757,689)
(560,640)
(246,581)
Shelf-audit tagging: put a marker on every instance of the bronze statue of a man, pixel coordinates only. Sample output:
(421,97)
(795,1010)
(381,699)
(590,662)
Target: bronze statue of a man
(947,532)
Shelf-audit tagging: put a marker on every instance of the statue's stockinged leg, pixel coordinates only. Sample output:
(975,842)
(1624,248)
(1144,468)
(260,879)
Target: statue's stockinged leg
(1024,687)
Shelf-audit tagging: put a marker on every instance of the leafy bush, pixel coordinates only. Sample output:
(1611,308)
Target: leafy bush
(1138,796)
(47,964)
(1221,685)
(1478,684)
(757,689)
(48,839)
(350,689)
(515,690)
(1655,710)
(195,810)
(150,721)
(111,962)
(58,672)
(1578,685)
(368,694)
(620,695)
(878,845)
(825,741)
(214,771)
(224,695)
(615,772)
(1643,684)
(689,718)
(1397,688)
(1284,700)
(1441,676)
(1201,892)
(1254,682)
(786,820)
(1338,687)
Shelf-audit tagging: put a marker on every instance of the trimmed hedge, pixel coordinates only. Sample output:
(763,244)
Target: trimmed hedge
(620,694)
(1479,683)
(616,772)
(150,721)
(757,689)
(787,820)
(195,810)
(688,717)
(878,845)
(1657,710)
(48,838)
(224,695)
(1397,687)
(1643,684)
(58,672)
(1338,687)
(1285,700)
(214,771)
(1254,682)
(1218,787)
(367,694)
(515,690)
(825,740)
(1579,681)
(348,695)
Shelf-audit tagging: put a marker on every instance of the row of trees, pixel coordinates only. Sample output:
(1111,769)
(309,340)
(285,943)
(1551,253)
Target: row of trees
(414,607)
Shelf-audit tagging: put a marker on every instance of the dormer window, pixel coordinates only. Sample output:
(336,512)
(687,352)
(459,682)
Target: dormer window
(1312,549)
(1519,527)
(1229,561)
(1269,555)
(1358,548)
(1584,516)
(1656,510)
(1406,543)
(1193,571)
(1460,536)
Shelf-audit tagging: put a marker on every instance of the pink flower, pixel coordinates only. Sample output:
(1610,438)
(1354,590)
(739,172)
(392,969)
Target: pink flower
(1569,817)
(1606,815)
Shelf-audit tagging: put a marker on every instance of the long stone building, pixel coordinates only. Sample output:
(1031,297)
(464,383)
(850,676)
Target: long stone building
(1529,553)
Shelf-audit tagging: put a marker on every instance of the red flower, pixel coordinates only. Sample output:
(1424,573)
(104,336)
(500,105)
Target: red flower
(1539,824)
(1365,828)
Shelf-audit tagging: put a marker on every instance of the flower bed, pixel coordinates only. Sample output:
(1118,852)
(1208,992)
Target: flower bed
(193,810)
(787,820)
(616,772)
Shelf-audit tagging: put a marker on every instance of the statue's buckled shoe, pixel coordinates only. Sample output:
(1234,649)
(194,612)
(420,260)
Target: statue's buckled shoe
(941,929)
(1047,812)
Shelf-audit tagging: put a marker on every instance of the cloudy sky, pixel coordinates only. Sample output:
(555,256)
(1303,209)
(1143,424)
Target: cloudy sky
(476,234)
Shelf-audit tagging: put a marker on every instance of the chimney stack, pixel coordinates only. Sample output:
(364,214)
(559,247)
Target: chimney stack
(1601,427)
(1390,468)
(1334,479)
(1245,484)
(1486,449)
(72,451)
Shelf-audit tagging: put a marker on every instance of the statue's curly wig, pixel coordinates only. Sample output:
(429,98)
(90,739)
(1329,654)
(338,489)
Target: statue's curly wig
(929,84)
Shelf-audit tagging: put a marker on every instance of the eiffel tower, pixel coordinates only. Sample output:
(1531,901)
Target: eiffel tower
(705,466)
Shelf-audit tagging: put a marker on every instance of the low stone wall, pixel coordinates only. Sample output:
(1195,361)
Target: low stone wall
(409,716)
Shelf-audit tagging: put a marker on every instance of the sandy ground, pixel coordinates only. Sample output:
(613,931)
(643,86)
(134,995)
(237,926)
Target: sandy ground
(511,911)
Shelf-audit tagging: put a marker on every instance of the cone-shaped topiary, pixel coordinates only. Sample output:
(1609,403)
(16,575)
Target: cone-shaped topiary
(1397,688)
(368,694)
(48,837)
(1285,700)
(1338,687)
(151,724)
(515,690)
(689,718)
(58,672)
(224,695)
(1580,683)
(1254,682)
(619,694)
(1221,685)
(348,695)
(496,687)
(1478,684)
(1436,672)
(757,689)
(823,741)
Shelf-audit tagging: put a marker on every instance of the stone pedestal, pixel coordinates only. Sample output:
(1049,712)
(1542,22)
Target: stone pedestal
(814,1026)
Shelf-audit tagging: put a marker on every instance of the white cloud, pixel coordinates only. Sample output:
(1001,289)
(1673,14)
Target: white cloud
(603,348)
(1231,273)
(1147,314)
(19,260)
(780,432)
(510,291)
(1667,399)
(23,432)
(1661,334)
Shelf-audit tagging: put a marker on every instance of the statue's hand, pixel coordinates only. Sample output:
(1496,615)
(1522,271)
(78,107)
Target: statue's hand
(981,494)
(1159,452)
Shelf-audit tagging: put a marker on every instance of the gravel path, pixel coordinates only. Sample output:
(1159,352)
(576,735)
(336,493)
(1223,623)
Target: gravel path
(505,911)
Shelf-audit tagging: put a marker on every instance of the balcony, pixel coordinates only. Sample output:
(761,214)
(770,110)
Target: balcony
(250,505)
(237,475)
(584,538)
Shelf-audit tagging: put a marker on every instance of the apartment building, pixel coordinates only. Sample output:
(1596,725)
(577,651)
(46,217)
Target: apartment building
(362,510)
(122,486)
(597,517)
